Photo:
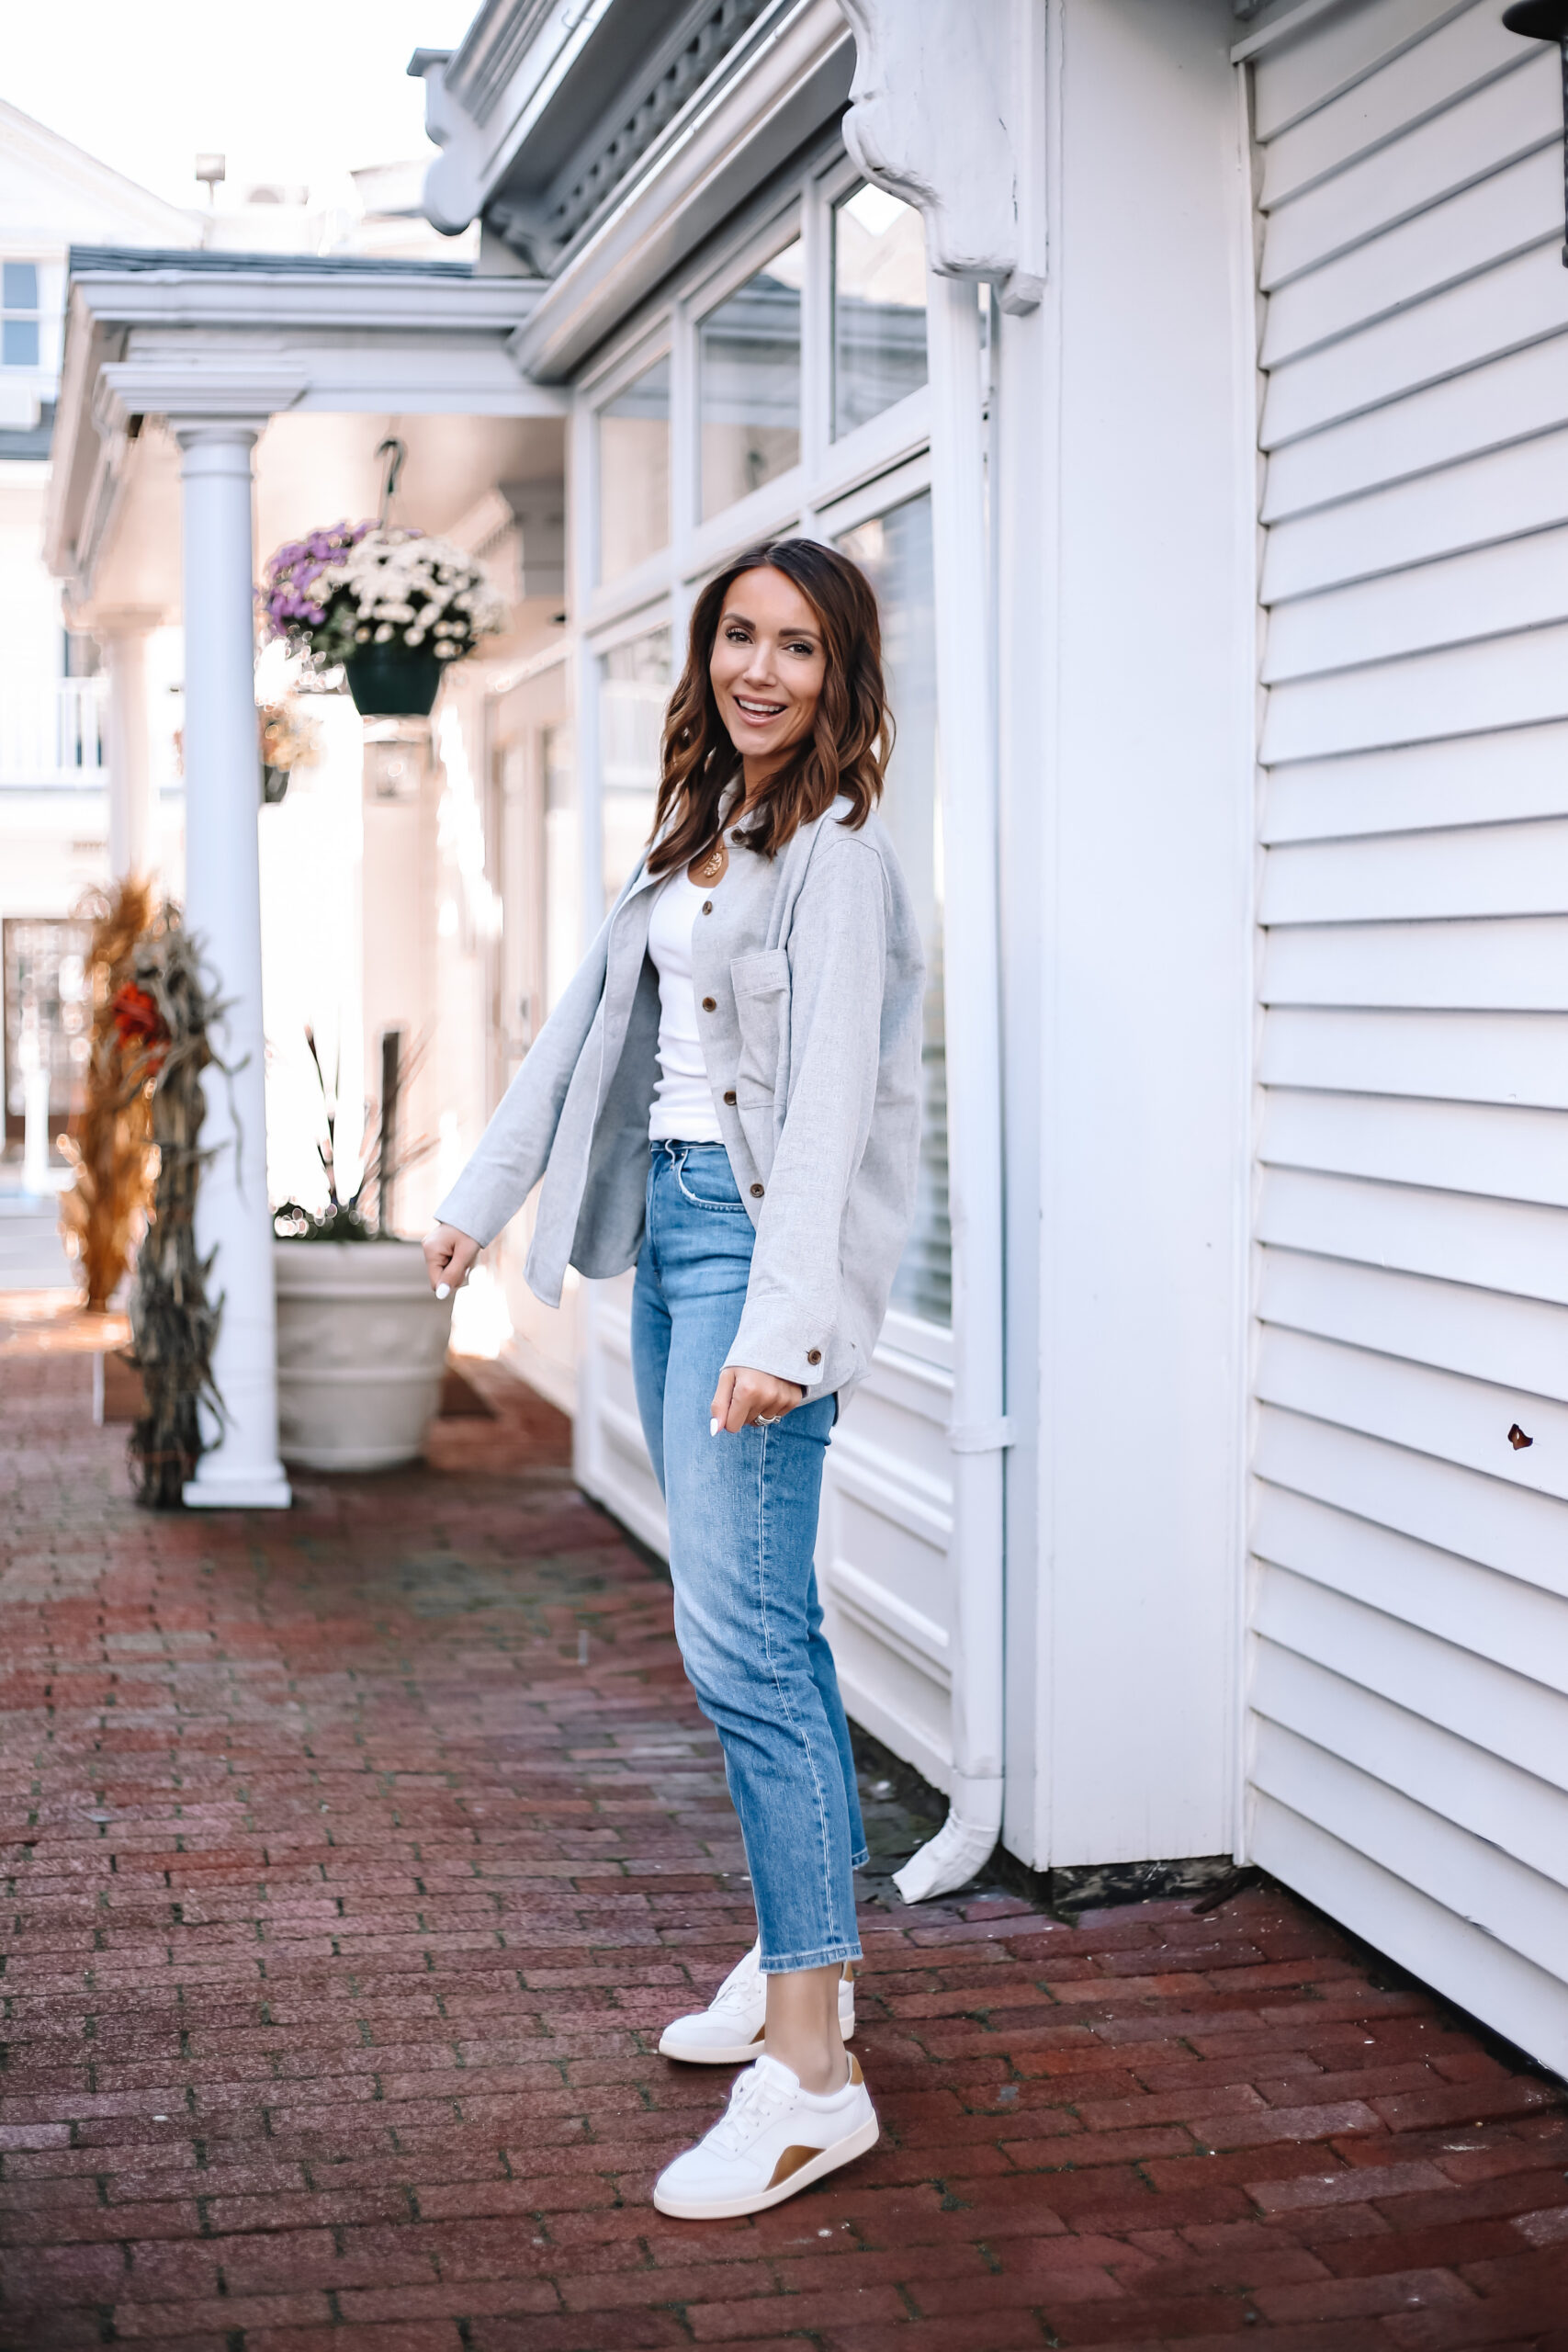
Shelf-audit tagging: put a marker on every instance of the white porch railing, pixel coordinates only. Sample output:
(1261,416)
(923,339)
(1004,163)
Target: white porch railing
(53,733)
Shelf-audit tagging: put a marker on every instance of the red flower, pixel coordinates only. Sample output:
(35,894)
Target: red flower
(137,1021)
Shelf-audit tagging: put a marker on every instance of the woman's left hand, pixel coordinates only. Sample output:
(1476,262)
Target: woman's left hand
(743,1397)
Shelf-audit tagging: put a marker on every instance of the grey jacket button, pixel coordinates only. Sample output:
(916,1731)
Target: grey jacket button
(756,1192)
(710,1004)
(707,906)
(813,1355)
(729,1093)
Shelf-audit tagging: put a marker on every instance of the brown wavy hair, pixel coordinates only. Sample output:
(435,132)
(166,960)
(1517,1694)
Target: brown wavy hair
(852,733)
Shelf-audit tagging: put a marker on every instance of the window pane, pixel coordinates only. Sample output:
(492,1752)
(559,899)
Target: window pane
(895,552)
(563,866)
(634,472)
(19,286)
(634,687)
(750,360)
(18,342)
(879,306)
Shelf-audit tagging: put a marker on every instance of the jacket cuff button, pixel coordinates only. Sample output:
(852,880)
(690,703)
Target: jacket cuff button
(710,1004)
(756,1192)
(729,1093)
(813,1355)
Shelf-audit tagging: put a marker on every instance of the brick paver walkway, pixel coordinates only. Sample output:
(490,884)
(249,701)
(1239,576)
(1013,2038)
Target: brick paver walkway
(344,1902)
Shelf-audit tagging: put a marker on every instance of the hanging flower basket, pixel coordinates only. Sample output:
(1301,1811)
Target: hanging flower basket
(394,607)
(391,682)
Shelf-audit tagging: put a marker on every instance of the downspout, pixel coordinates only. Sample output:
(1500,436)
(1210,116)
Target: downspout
(979,1432)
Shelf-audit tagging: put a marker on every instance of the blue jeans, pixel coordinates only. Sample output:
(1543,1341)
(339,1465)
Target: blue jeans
(742,1534)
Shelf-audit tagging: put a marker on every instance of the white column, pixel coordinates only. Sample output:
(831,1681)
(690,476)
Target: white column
(223,911)
(133,830)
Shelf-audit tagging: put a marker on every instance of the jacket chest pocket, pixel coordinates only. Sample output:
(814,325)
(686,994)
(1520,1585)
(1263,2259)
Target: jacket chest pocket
(761,1012)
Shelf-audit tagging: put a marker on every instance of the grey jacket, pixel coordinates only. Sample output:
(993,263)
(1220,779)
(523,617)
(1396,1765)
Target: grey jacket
(808,976)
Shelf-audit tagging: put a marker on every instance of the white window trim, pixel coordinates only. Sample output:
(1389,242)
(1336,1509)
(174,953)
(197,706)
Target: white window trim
(828,470)
(836,485)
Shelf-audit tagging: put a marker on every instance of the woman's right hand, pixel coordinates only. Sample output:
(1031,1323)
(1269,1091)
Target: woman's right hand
(449,1255)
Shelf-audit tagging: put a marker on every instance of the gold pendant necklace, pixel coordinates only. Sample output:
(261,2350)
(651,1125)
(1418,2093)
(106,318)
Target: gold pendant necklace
(713,866)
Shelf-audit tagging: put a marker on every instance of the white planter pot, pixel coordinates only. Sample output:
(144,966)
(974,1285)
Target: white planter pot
(361,1350)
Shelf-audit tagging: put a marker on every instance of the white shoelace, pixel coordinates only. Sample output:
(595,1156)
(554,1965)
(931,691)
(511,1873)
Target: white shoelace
(757,2100)
(740,1982)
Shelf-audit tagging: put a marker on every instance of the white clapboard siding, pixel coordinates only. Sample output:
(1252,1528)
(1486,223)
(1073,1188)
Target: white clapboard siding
(1452,872)
(1493,497)
(1432,1500)
(1487,591)
(1436,160)
(1470,782)
(1502,1618)
(1509,1155)
(1519,1343)
(1494,311)
(1408,1678)
(1523,393)
(1457,61)
(1508,963)
(1443,1057)
(1506,213)
(1299,76)
(1429,1411)
(1513,681)
(1511,1809)
(1511,1246)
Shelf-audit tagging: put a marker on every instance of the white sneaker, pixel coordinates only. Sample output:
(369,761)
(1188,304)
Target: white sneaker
(732,2027)
(773,2141)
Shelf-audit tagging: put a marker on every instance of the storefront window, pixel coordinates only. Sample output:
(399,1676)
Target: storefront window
(634,472)
(634,688)
(563,862)
(895,552)
(879,306)
(748,364)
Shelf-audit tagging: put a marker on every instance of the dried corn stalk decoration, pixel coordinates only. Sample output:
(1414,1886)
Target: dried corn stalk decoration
(110,1145)
(164,1012)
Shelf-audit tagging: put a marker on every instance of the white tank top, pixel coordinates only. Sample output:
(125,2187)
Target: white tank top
(682,1099)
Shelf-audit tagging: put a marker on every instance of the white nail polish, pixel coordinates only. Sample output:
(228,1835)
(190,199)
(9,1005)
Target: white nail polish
(713,1429)
(442,1290)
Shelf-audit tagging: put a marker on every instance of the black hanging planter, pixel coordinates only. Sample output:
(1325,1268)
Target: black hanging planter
(393,680)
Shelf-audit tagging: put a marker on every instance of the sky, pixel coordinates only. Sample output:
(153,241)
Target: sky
(299,98)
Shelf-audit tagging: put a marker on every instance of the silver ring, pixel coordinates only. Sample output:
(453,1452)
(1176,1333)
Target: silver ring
(766,1420)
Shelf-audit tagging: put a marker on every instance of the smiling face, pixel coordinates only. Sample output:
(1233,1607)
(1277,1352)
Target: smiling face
(766,667)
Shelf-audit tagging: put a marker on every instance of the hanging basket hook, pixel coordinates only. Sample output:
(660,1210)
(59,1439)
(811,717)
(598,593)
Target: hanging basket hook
(396,454)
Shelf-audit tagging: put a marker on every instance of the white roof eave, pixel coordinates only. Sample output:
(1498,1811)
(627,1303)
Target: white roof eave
(257,340)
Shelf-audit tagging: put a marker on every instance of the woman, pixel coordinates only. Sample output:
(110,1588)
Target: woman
(727,1095)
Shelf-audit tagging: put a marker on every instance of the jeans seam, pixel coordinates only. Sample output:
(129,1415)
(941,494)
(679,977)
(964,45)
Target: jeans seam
(782,1695)
(725,1208)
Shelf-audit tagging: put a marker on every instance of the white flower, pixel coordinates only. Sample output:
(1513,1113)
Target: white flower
(396,583)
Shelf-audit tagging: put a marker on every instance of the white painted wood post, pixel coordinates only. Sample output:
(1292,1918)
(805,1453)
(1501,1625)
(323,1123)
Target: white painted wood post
(223,911)
(134,847)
